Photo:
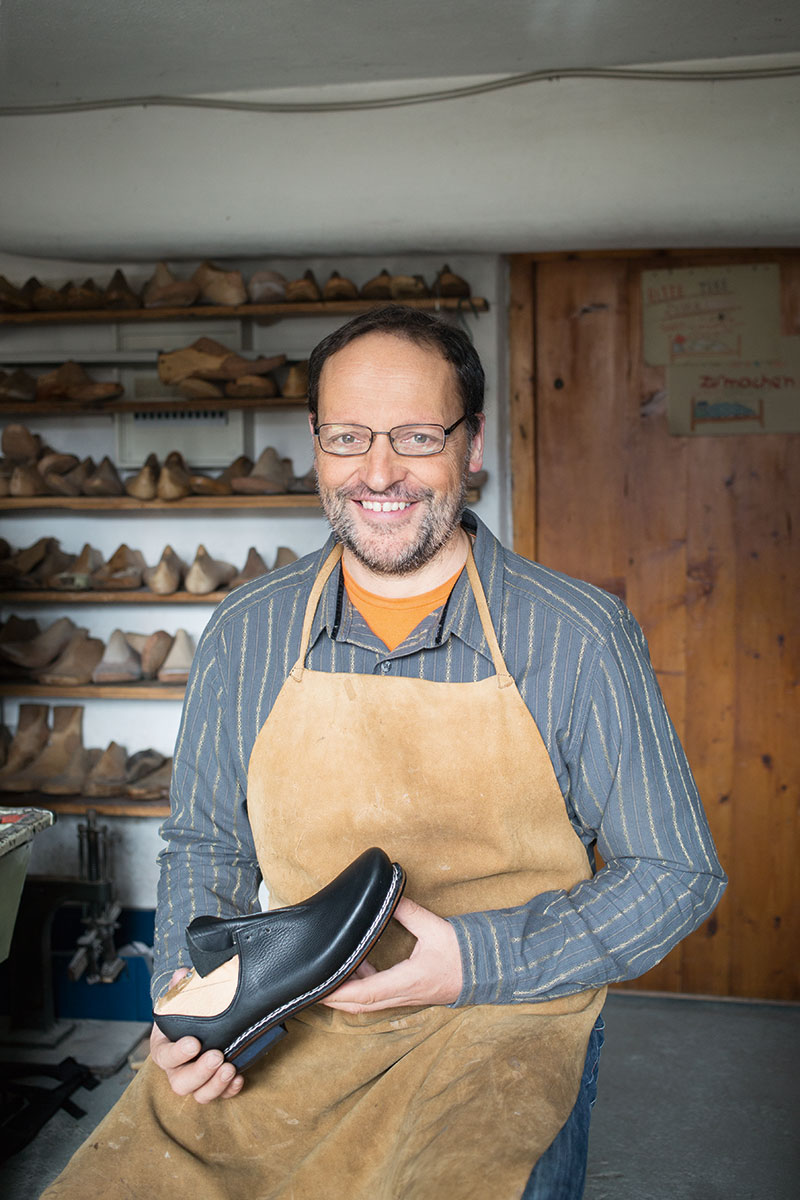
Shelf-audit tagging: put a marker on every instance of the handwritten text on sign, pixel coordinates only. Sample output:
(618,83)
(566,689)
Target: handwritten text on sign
(740,398)
(711,314)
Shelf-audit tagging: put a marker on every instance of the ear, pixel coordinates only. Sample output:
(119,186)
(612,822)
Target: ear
(476,452)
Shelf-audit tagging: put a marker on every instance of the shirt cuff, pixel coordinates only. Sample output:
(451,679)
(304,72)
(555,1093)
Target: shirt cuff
(486,961)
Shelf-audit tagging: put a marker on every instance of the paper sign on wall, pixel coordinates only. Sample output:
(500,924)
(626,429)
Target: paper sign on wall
(711,314)
(744,397)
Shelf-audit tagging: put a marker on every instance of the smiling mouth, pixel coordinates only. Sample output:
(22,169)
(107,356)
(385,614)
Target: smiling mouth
(385,505)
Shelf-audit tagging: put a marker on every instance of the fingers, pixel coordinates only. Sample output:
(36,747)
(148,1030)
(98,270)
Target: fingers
(206,1076)
(234,1088)
(220,1081)
(432,975)
(167,1054)
(380,989)
(413,916)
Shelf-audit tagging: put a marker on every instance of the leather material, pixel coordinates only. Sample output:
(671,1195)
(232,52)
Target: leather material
(291,957)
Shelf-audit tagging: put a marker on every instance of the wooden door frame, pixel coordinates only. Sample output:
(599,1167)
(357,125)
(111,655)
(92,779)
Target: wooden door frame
(522,401)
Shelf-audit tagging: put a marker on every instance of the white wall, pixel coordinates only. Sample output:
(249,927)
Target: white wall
(138,724)
(556,165)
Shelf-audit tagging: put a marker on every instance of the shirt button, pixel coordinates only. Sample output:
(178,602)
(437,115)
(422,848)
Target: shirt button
(386,667)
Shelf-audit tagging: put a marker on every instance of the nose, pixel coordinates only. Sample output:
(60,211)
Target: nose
(381,465)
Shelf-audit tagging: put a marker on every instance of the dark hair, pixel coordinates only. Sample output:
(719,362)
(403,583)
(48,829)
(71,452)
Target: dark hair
(414,326)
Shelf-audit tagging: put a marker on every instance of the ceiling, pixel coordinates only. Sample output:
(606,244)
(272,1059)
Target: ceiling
(576,163)
(52,51)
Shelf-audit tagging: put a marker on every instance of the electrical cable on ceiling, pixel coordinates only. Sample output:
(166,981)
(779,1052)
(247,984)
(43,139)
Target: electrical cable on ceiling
(476,89)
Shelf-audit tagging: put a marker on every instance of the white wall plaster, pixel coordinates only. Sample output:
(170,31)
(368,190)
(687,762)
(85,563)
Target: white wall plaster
(572,164)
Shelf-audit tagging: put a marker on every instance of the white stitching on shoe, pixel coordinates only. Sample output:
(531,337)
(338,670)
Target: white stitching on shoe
(345,968)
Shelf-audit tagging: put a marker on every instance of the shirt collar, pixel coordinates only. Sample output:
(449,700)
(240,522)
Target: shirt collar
(336,616)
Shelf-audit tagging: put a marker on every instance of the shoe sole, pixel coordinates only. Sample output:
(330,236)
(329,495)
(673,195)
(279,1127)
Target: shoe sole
(252,1042)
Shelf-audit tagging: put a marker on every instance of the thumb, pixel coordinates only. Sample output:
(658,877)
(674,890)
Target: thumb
(413,916)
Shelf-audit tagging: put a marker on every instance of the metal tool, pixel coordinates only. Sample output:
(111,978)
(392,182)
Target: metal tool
(96,955)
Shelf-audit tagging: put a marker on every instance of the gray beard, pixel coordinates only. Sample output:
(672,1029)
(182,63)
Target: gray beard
(440,521)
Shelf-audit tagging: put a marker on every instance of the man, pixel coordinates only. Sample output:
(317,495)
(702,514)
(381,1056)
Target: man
(486,721)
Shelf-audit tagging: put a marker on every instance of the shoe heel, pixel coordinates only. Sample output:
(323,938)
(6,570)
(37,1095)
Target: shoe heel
(259,1046)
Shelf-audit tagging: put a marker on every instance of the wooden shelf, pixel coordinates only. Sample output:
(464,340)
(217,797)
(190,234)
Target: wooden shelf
(94,691)
(110,408)
(129,504)
(202,312)
(191,503)
(111,806)
(143,596)
(109,358)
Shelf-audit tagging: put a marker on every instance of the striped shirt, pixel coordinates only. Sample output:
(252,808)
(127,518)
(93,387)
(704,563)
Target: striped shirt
(581,665)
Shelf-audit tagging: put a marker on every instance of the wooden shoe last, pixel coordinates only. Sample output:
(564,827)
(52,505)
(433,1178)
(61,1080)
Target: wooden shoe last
(28,742)
(266,287)
(104,481)
(76,663)
(253,568)
(122,573)
(271,475)
(144,484)
(207,574)
(61,764)
(305,289)
(38,652)
(119,663)
(118,295)
(339,288)
(164,290)
(107,776)
(174,482)
(151,786)
(152,649)
(219,287)
(165,577)
(178,663)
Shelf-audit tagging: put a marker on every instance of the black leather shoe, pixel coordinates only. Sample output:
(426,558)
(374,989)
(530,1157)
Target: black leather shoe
(289,958)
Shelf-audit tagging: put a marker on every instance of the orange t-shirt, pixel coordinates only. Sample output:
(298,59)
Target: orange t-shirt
(392,619)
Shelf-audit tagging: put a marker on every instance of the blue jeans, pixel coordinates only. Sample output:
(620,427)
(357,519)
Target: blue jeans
(560,1174)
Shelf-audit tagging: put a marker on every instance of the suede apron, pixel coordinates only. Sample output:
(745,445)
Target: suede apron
(453,780)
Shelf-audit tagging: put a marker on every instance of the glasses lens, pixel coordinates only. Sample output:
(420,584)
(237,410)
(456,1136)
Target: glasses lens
(416,440)
(345,439)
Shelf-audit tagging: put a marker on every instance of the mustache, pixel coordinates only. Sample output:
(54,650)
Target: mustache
(394,492)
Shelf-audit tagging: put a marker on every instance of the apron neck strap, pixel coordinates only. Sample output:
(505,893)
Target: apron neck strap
(503,677)
(311,608)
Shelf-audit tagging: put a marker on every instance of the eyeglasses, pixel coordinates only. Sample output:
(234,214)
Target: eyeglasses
(412,441)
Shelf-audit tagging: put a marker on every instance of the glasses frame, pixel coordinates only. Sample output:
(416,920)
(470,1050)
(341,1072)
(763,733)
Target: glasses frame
(373,433)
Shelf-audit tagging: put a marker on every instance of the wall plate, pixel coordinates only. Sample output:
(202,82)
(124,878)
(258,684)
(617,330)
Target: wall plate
(204,438)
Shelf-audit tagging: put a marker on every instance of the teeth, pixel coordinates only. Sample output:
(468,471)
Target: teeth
(384,506)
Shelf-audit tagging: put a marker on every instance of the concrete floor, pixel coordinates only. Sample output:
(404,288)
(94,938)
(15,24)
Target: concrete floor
(697,1101)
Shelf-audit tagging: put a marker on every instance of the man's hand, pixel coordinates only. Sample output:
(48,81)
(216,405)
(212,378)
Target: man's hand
(432,975)
(206,1078)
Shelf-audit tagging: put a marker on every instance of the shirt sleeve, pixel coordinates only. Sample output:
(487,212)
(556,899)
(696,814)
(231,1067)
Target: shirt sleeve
(631,791)
(208,864)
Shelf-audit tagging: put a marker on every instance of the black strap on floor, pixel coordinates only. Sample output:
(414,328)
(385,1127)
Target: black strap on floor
(25,1107)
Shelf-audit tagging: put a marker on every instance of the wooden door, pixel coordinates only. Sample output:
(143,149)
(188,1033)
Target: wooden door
(699,537)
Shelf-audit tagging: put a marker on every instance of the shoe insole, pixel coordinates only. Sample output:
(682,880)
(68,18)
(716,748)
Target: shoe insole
(202,995)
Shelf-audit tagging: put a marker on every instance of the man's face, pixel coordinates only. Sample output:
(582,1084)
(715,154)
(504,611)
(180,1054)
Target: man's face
(382,381)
